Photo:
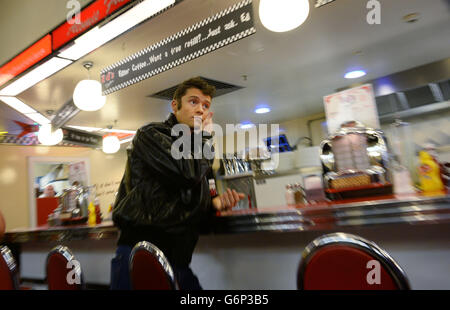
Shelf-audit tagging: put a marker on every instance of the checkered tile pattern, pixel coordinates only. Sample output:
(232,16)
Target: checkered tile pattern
(187,58)
(27,140)
(320,3)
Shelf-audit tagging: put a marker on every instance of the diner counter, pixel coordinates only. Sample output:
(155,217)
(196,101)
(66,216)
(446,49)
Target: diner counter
(388,210)
(411,209)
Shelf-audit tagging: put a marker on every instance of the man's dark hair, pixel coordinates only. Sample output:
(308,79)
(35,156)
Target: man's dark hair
(196,82)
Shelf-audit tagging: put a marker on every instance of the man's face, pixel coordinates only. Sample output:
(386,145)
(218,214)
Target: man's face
(49,191)
(193,104)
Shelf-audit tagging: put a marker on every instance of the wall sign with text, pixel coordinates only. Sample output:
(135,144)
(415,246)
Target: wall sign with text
(82,138)
(224,28)
(64,114)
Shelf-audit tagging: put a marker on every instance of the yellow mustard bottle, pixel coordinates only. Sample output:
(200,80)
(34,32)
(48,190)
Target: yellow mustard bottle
(92,220)
(429,174)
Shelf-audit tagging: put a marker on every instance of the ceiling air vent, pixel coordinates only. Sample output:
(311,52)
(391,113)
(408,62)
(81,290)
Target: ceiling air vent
(445,87)
(432,98)
(388,104)
(222,88)
(420,96)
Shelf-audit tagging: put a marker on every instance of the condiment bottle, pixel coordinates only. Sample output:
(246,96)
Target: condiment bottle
(429,174)
(98,213)
(298,193)
(290,195)
(92,221)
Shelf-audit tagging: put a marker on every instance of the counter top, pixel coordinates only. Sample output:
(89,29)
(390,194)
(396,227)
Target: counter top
(105,230)
(412,210)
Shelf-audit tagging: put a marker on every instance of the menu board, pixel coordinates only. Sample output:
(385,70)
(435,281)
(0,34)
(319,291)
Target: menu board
(355,104)
(217,31)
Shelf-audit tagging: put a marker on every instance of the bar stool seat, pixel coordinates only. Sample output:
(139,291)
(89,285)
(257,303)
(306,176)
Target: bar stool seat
(60,274)
(9,274)
(341,261)
(150,269)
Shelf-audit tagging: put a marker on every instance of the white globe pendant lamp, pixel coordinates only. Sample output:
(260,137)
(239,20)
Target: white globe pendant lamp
(283,15)
(111,144)
(48,137)
(87,95)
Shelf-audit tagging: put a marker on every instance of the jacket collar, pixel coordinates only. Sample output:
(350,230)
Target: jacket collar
(171,120)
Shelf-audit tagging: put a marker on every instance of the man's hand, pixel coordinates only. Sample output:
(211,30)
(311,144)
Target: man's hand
(203,125)
(227,200)
(207,124)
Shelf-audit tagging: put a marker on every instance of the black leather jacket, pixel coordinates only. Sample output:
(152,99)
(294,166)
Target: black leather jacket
(161,199)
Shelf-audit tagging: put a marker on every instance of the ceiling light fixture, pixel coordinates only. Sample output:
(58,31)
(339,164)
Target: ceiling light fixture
(355,74)
(89,129)
(38,118)
(111,144)
(98,36)
(246,125)
(119,131)
(126,140)
(87,95)
(283,15)
(48,137)
(35,76)
(25,109)
(17,105)
(262,110)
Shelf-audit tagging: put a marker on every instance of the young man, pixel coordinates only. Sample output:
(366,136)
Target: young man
(164,200)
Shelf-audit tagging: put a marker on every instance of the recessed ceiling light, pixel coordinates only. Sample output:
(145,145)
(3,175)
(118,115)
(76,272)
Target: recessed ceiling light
(355,74)
(262,110)
(246,125)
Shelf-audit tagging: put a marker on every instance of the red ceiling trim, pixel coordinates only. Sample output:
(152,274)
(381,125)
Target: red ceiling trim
(89,17)
(26,59)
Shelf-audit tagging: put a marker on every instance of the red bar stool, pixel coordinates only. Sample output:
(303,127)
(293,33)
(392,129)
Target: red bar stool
(149,268)
(341,261)
(63,271)
(9,274)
